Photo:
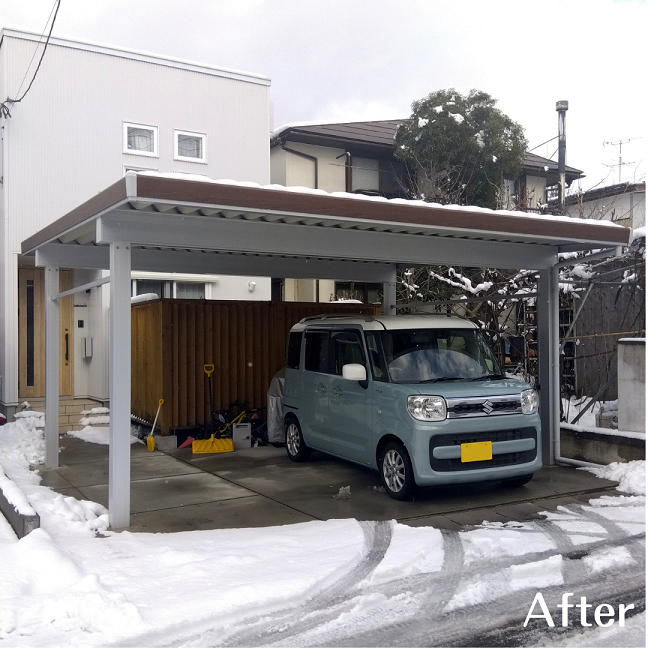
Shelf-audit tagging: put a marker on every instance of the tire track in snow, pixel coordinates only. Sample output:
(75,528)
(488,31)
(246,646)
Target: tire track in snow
(293,622)
(435,591)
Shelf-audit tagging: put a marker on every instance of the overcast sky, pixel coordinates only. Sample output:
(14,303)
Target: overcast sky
(349,60)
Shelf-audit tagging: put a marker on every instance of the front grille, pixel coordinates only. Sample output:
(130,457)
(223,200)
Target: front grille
(493,406)
(506,459)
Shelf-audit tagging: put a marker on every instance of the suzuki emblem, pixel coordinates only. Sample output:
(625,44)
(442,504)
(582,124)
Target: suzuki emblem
(487,407)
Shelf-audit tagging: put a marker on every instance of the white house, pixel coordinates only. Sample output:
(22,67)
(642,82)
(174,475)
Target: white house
(623,203)
(93,113)
(358,157)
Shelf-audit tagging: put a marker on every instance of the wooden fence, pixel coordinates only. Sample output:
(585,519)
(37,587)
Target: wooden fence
(172,340)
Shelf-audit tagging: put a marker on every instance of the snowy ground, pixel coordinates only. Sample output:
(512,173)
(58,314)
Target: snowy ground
(340,582)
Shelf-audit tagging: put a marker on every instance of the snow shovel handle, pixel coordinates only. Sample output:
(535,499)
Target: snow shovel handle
(209,369)
(160,403)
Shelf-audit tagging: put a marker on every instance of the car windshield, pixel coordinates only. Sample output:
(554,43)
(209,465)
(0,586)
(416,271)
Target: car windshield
(436,355)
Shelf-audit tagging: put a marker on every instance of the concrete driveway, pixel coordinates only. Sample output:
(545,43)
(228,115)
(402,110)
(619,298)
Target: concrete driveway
(256,487)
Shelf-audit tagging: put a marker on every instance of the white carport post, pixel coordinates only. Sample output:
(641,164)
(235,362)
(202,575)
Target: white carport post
(51,367)
(389,295)
(119,385)
(549,360)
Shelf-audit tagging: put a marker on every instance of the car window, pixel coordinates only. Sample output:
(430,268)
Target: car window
(347,350)
(294,350)
(316,352)
(428,355)
(376,359)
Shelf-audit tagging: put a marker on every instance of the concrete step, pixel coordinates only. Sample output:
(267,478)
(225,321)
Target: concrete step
(69,411)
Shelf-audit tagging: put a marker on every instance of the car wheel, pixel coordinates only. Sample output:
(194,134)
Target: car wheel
(516,482)
(396,472)
(295,447)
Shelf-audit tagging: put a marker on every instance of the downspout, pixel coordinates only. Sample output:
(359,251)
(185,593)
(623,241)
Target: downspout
(312,158)
(555,359)
(348,171)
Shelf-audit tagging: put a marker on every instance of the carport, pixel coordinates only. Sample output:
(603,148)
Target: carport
(169,223)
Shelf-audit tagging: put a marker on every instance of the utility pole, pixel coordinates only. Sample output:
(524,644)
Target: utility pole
(620,144)
(561,108)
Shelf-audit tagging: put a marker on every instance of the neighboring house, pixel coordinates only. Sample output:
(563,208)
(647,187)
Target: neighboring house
(623,203)
(358,157)
(93,113)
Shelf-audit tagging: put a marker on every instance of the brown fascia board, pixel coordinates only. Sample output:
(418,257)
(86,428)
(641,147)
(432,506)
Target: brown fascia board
(104,200)
(258,199)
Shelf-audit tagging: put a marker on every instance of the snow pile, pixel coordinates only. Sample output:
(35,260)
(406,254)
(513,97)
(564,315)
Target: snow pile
(14,495)
(22,446)
(631,476)
(44,586)
(412,551)
(144,298)
(95,420)
(38,418)
(496,539)
(96,430)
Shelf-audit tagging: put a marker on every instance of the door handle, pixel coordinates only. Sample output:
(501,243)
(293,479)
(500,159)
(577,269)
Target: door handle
(67,347)
(337,391)
(320,389)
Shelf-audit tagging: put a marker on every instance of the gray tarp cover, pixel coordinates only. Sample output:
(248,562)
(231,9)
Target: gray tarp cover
(276,432)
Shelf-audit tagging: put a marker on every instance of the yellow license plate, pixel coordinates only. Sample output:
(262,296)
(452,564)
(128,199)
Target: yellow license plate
(481,451)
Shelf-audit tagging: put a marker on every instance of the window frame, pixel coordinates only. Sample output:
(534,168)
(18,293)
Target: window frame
(183,158)
(153,154)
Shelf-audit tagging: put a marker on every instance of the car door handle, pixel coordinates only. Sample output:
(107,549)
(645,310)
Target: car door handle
(337,391)
(320,389)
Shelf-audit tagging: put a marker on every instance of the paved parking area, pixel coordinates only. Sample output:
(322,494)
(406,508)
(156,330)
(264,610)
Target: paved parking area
(256,487)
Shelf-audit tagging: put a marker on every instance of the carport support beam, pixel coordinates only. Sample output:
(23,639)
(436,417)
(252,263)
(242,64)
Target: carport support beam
(549,361)
(51,367)
(120,385)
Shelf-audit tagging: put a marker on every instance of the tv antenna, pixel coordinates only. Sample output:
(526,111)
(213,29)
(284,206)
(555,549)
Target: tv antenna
(620,144)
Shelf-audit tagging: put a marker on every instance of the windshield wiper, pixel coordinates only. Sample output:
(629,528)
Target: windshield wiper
(442,379)
(490,377)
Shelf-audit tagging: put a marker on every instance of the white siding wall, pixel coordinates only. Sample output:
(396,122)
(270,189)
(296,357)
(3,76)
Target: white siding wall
(295,171)
(64,144)
(627,209)
(535,191)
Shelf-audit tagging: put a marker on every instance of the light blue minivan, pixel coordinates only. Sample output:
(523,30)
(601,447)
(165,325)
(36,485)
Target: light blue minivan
(421,399)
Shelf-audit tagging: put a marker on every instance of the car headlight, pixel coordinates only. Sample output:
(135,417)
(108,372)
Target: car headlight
(529,401)
(427,408)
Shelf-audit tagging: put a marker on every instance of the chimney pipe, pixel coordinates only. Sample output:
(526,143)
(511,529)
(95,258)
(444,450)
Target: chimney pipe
(561,108)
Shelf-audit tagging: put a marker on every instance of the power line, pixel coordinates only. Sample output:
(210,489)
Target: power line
(4,108)
(36,48)
(543,143)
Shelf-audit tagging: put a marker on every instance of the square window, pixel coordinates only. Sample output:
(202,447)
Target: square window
(140,139)
(191,147)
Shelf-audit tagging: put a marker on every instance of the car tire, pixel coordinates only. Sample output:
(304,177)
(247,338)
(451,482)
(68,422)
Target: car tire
(396,472)
(517,482)
(296,449)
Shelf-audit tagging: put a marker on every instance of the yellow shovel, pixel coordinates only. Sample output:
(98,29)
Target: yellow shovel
(150,441)
(212,445)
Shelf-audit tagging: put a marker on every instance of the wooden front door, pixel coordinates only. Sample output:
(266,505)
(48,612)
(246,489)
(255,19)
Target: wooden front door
(31,334)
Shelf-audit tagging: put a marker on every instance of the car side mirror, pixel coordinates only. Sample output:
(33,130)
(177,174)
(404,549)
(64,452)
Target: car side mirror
(354,371)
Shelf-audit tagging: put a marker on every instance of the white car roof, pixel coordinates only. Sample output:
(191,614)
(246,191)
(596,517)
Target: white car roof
(387,322)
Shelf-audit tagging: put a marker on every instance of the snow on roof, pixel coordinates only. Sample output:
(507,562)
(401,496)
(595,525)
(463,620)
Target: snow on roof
(363,197)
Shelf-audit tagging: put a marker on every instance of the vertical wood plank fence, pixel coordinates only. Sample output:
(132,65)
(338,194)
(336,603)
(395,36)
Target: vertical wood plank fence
(172,340)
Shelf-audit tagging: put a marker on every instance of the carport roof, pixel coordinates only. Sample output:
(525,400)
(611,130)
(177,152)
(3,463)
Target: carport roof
(174,211)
